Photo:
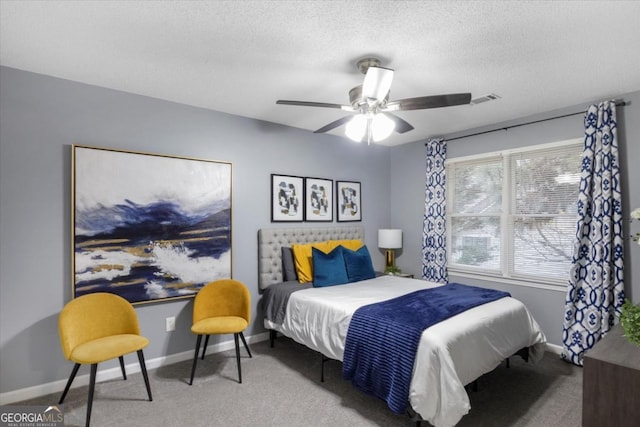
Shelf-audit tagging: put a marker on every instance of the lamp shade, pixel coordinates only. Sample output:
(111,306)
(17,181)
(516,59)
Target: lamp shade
(356,127)
(379,125)
(390,238)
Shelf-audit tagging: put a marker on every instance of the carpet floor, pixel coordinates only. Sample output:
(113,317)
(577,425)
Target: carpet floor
(281,387)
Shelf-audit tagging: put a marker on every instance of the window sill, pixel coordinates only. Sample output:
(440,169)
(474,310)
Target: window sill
(510,281)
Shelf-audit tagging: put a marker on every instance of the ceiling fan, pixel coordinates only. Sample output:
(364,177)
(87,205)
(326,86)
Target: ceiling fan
(374,120)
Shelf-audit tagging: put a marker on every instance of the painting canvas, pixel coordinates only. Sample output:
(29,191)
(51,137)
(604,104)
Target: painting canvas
(318,199)
(287,196)
(148,227)
(348,201)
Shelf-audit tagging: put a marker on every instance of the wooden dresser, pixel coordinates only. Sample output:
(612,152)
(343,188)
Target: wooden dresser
(611,382)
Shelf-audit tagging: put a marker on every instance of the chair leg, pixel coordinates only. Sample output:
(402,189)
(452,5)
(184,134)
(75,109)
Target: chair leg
(235,338)
(143,366)
(124,373)
(92,386)
(206,343)
(71,377)
(195,358)
(245,344)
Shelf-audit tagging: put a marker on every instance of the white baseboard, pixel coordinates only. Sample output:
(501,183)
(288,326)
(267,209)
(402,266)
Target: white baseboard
(552,348)
(111,373)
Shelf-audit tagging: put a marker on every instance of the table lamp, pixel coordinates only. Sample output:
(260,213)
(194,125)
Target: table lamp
(390,239)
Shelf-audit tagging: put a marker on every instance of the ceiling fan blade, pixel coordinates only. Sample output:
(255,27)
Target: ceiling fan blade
(377,83)
(424,102)
(401,125)
(315,104)
(334,124)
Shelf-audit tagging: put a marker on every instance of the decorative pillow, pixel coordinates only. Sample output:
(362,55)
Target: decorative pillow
(354,245)
(288,266)
(358,264)
(302,259)
(328,269)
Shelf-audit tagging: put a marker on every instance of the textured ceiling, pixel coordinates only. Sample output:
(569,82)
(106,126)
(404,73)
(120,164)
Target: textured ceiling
(239,57)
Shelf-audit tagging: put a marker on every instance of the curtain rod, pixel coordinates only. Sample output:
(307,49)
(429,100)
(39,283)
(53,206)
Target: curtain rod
(618,104)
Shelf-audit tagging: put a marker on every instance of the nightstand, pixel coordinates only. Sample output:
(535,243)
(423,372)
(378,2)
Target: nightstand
(611,382)
(405,275)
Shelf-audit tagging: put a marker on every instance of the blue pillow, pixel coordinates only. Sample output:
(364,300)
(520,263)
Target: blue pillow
(358,264)
(328,269)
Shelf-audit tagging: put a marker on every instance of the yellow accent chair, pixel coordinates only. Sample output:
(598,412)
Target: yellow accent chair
(221,307)
(98,327)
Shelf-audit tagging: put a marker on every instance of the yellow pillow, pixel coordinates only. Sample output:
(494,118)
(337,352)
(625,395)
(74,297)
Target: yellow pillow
(354,245)
(302,259)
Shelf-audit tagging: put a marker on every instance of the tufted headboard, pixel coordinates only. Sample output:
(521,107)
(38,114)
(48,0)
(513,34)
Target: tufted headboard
(271,240)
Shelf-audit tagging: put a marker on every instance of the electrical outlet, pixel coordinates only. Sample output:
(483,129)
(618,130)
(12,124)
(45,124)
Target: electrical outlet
(171,324)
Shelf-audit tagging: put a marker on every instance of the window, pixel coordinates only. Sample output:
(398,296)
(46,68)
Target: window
(513,214)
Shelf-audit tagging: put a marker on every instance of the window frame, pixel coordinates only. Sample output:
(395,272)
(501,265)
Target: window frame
(502,274)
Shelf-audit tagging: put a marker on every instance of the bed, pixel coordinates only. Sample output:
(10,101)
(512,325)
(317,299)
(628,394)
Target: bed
(450,354)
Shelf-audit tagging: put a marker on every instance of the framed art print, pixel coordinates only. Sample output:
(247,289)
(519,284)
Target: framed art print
(348,201)
(318,199)
(148,227)
(287,196)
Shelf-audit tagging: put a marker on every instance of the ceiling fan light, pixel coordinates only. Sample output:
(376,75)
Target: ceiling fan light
(356,127)
(381,127)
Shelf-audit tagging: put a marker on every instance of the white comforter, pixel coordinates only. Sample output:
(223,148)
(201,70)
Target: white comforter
(451,353)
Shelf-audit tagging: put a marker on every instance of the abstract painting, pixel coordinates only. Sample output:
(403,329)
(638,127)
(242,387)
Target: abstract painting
(287,195)
(319,199)
(348,201)
(148,227)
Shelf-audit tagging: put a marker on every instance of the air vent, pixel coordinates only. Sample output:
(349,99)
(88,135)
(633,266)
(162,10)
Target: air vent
(486,98)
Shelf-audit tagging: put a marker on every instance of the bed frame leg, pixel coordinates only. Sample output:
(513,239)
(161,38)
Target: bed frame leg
(272,337)
(523,352)
(324,359)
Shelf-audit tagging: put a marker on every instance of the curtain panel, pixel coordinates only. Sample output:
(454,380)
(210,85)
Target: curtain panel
(596,289)
(434,247)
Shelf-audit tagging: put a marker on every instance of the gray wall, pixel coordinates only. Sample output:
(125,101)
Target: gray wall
(408,169)
(41,116)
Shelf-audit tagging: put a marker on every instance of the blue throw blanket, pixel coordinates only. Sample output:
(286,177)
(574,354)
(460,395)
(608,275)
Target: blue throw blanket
(382,339)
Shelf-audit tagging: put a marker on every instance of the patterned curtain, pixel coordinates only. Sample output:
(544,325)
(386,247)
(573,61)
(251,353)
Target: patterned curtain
(434,244)
(596,290)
